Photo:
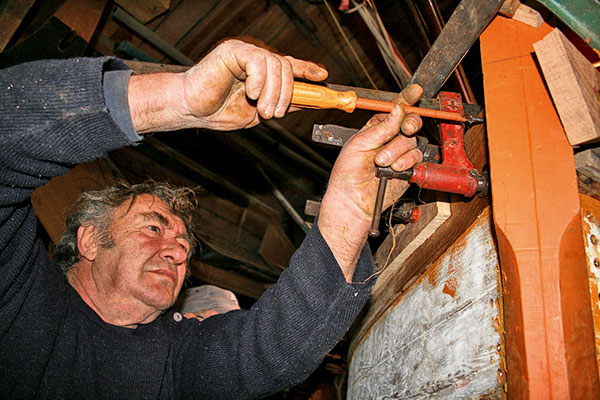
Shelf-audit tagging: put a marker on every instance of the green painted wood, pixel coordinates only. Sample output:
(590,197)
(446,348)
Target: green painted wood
(583,16)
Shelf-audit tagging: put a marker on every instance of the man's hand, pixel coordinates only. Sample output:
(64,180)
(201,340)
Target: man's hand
(234,86)
(347,207)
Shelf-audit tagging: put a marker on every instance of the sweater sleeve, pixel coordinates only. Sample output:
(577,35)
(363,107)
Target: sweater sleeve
(53,115)
(283,338)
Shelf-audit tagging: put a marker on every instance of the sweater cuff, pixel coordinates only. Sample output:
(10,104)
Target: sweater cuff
(115,86)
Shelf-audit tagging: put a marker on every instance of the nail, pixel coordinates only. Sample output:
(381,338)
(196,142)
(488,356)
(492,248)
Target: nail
(280,112)
(382,158)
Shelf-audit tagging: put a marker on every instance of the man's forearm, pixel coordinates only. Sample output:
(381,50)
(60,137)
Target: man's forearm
(344,227)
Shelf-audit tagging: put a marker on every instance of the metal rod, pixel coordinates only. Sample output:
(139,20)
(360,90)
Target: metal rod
(284,202)
(374,231)
(120,15)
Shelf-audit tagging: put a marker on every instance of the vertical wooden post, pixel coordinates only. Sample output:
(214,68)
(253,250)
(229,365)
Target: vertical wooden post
(549,329)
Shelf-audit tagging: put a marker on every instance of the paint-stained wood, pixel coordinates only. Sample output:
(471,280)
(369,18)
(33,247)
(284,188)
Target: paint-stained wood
(549,328)
(441,338)
(590,214)
(574,84)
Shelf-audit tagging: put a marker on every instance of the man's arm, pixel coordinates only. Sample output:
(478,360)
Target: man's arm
(234,86)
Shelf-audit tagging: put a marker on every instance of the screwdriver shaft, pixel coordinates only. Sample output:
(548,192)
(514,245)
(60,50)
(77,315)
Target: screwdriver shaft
(386,106)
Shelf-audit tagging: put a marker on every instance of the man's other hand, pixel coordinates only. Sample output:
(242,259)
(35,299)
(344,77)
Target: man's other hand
(348,204)
(233,87)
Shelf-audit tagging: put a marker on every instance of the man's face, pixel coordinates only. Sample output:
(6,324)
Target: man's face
(147,264)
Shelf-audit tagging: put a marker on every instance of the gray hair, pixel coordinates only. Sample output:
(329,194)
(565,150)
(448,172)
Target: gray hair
(96,208)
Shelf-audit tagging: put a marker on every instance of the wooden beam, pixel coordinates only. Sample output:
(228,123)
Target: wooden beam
(146,10)
(227,280)
(574,84)
(82,16)
(11,16)
(548,323)
(52,200)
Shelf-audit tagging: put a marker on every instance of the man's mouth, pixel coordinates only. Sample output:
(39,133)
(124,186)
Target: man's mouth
(165,272)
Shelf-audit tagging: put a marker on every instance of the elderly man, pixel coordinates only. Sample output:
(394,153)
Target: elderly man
(105,329)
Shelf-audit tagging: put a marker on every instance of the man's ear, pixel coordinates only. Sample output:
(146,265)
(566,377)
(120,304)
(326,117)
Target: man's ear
(86,242)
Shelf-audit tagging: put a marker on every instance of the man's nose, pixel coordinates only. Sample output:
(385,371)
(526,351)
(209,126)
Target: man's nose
(172,252)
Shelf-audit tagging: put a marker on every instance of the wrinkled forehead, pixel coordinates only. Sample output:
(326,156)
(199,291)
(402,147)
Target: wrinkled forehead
(147,206)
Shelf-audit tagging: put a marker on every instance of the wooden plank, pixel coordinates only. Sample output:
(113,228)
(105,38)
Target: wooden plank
(146,10)
(227,280)
(53,200)
(11,15)
(549,328)
(391,255)
(82,16)
(528,15)
(463,213)
(574,85)
(441,339)
(590,214)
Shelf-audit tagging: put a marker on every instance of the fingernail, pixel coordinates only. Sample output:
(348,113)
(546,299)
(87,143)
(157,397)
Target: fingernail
(395,111)
(254,94)
(399,165)
(382,159)
(280,112)
(410,126)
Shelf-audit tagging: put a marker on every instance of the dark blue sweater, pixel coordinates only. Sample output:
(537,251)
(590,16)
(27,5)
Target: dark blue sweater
(52,345)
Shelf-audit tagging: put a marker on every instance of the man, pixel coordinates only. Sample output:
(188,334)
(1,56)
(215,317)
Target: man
(106,328)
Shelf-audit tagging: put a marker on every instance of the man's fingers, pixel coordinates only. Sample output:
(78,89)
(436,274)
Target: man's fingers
(287,89)
(410,95)
(307,70)
(270,93)
(255,66)
(394,151)
(411,124)
(382,128)
(407,160)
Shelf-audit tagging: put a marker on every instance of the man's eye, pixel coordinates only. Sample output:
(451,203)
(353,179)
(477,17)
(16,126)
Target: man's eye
(154,228)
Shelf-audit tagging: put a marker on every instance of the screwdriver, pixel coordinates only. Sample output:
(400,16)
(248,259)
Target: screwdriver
(307,95)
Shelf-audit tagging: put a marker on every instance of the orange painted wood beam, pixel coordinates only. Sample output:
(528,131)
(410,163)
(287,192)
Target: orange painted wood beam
(550,350)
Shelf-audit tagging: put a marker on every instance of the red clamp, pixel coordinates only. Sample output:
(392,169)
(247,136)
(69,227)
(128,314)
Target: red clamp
(455,174)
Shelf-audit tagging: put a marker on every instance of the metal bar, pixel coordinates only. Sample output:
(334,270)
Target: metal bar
(464,27)
(284,202)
